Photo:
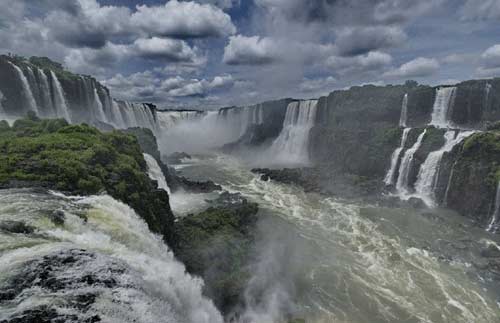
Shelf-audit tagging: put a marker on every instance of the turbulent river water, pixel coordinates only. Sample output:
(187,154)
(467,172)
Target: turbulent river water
(342,261)
(80,259)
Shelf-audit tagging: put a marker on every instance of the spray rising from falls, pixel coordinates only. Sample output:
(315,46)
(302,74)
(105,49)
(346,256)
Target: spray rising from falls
(429,170)
(442,104)
(292,145)
(27,93)
(396,155)
(495,217)
(101,264)
(155,173)
(405,167)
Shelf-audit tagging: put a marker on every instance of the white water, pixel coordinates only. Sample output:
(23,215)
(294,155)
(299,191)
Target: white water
(404,112)
(28,94)
(59,99)
(119,122)
(495,216)
(336,261)
(405,167)
(150,284)
(155,173)
(442,104)
(389,177)
(46,94)
(101,116)
(292,145)
(2,110)
(429,170)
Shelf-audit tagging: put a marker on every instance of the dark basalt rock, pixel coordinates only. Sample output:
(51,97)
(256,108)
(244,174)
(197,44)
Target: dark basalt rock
(57,217)
(16,227)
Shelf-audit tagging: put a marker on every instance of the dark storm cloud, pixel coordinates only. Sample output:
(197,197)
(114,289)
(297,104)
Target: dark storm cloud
(362,40)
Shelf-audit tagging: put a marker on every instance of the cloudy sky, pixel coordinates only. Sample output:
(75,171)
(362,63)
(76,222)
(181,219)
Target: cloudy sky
(208,53)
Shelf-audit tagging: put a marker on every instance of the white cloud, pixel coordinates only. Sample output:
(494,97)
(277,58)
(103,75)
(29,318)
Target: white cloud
(361,40)
(165,49)
(419,67)
(183,20)
(254,50)
(361,63)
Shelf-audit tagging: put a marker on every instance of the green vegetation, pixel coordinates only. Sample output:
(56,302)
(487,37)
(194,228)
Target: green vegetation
(484,148)
(45,64)
(216,245)
(81,160)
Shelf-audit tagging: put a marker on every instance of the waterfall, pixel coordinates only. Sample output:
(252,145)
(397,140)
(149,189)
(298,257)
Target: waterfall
(429,170)
(46,93)
(495,216)
(2,110)
(28,94)
(389,177)
(404,112)
(109,266)
(60,99)
(443,102)
(170,119)
(155,173)
(405,167)
(117,115)
(101,116)
(292,145)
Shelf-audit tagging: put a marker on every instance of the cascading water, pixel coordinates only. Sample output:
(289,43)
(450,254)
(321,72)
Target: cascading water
(443,102)
(60,99)
(97,262)
(101,116)
(119,121)
(396,155)
(2,110)
(28,94)
(155,173)
(495,216)
(404,112)
(292,145)
(46,94)
(405,167)
(429,170)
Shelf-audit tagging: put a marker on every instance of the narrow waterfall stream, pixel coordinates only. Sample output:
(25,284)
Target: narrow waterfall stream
(442,104)
(60,100)
(405,167)
(27,93)
(155,173)
(429,170)
(495,216)
(395,158)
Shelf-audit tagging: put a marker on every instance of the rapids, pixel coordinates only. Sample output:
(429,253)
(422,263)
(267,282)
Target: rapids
(76,259)
(344,261)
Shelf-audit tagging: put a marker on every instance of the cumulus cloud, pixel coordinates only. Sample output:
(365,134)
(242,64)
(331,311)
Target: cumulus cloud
(183,20)
(172,50)
(490,62)
(155,87)
(481,10)
(419,67)
(356,41)
(361,63)
(254,50)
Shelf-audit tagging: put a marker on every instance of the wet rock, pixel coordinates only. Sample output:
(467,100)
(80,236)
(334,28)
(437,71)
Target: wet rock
(57,217)
(194,186)
(16,227)
(491,251)
(416,203)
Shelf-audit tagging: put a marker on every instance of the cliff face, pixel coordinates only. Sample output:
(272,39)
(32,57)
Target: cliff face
(44,87)
(475,174)
(79,159)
